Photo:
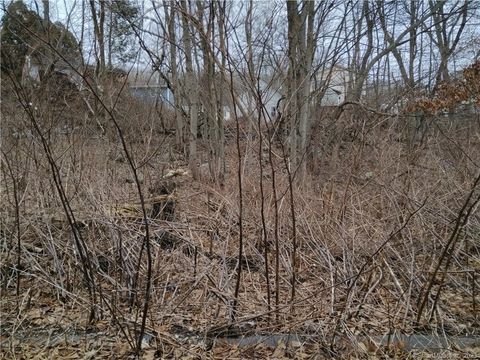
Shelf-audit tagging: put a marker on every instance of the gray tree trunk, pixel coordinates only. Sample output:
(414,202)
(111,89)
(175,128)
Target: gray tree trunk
(192,93)
(301,46)
(170,19)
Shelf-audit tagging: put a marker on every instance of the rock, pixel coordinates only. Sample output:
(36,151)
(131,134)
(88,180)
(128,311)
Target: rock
(175,173)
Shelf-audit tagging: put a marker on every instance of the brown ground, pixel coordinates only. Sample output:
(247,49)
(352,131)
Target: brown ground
(362,189)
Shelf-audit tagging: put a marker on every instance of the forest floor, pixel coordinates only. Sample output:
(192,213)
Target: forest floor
(375,236)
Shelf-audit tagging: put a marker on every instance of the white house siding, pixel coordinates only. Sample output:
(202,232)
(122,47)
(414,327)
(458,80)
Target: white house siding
(271,96)
(151,93)
(271,101)
(332,98)
(226,113)
(336,82)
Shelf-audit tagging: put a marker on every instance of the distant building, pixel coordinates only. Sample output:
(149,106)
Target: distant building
(271,94)
(152,93)
(148,86)
(331,84)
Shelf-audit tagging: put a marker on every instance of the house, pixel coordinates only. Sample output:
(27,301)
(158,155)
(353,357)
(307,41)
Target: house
(148,86)
(152,93)
(331,85)
(271,95)
(221,97)
(328,87)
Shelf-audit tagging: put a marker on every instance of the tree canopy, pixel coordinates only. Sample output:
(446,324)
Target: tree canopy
(122,40)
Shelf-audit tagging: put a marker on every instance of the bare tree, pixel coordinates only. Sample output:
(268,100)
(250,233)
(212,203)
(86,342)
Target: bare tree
(98,18)
(191,85)
(367,56)
(301,46)
(170,17)
(448,24)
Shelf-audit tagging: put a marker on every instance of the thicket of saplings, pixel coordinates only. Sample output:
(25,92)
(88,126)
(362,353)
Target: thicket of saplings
(383,223)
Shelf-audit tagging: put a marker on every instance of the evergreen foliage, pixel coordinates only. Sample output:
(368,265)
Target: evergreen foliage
(123,15)
(24,33)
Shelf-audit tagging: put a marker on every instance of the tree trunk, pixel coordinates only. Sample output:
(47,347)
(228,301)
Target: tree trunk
(110,40)
(192,93)
(307,47)
(101,37)
(46,14)
(301,47)
(446,36)
(292,86)
(170,19)
(99,31)
(221,96)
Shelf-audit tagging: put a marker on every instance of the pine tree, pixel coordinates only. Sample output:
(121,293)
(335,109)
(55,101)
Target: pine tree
(24,33)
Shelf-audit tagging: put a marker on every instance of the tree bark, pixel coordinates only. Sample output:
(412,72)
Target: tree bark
(220,93)
(170,19)
(192,93)
(301,47)
(447,33)
(368,61)
(292,86)
(98,19)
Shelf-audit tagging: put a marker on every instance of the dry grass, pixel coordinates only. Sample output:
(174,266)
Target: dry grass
(346,209)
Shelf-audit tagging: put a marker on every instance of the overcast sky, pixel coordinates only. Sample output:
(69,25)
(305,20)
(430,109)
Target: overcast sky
(69,13)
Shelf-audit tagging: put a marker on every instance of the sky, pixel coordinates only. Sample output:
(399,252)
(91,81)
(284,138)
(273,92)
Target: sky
(69,12)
